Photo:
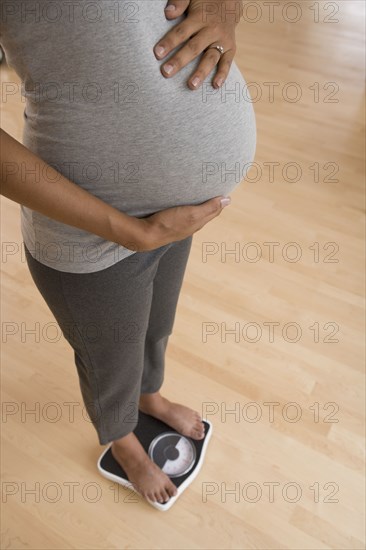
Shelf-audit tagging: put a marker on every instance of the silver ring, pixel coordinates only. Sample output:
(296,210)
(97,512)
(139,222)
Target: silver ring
(218,48)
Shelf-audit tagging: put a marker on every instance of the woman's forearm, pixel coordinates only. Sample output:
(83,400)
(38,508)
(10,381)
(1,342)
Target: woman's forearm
(28,180)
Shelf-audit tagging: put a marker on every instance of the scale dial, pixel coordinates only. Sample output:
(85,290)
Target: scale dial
(173,453)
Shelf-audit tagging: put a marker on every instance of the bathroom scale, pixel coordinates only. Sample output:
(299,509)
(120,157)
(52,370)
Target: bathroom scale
(179,457)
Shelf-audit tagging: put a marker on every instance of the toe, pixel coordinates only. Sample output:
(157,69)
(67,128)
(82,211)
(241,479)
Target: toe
(197,433)
(164,496)
(157,496)
(200,427)
(171,490)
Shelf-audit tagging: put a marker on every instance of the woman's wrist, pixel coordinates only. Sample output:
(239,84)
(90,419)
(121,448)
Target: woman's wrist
(128,231)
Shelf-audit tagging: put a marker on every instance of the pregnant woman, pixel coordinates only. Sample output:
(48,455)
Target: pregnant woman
(123,159)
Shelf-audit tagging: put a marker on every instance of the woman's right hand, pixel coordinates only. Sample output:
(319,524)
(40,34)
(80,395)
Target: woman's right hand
(178,222)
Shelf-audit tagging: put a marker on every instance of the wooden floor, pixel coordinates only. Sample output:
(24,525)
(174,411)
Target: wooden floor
(291,479)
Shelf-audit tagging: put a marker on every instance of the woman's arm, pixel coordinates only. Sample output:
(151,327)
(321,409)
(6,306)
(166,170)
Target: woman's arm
(24,180)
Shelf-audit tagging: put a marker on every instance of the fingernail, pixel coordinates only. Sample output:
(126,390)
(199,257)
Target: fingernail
(219,81)
(225,201)
(159,50)
(195,81)
(170,8)
(168,68)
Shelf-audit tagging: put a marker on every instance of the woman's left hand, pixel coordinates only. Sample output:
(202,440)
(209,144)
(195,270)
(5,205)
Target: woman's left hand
(207,23)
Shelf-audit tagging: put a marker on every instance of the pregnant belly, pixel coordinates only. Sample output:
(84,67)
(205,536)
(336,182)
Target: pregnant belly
(170,148)
(149,142)
(179,146)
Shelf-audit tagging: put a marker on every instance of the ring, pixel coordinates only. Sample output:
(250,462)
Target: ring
(218,48)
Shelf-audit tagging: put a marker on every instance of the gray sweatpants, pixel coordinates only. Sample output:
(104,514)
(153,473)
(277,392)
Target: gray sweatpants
(118,321)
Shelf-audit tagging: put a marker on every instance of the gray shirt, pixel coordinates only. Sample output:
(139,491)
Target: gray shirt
(98,109)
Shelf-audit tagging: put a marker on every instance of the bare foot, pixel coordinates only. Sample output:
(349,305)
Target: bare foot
(148,479)
(184,420)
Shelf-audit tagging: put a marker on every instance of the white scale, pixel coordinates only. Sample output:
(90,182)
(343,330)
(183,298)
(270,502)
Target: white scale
(178,456)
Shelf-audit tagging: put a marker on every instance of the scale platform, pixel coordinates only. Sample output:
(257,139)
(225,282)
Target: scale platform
(180,457)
